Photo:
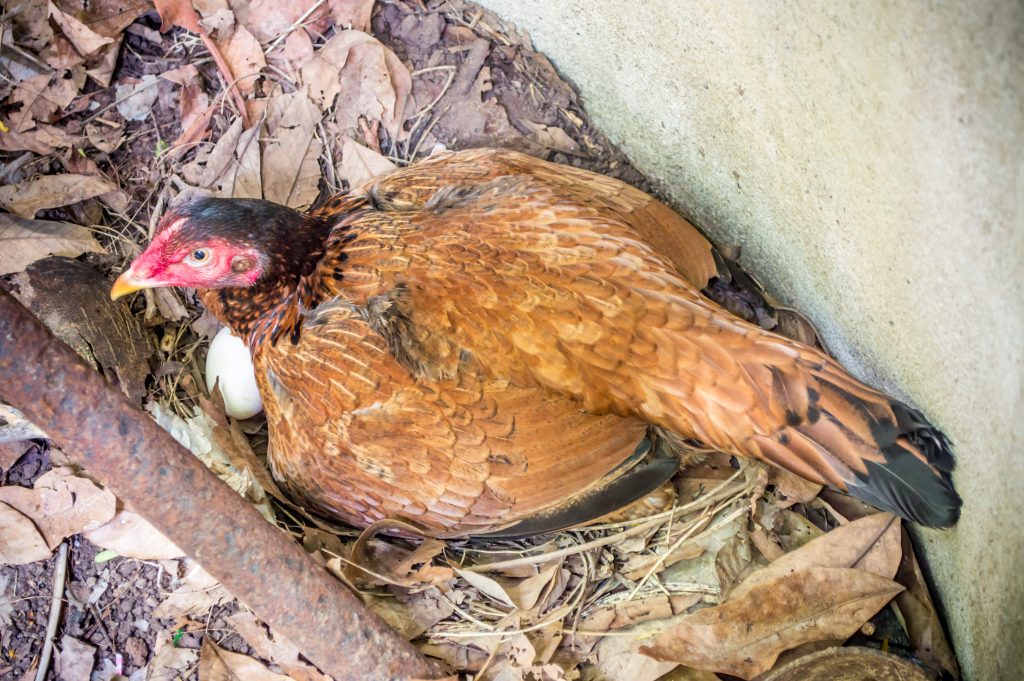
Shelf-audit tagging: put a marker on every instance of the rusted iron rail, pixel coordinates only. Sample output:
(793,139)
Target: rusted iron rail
(138,461)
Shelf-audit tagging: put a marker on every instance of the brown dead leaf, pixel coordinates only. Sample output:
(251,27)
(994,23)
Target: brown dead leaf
(62,504)
(43,140)
(411,614)
(525,593)
(371,79)
(170,661)
(633,612)
(416,568)
(233,168)
(75,661)
(105,17)
(269,19)
(104,137)
(684,673)
(217,664)
(244,55)
(20,541)
(795,489)
(85,40)
(232,441)
(486,585)
(51,191)
(871,544)
(924,627)
(745,635)
(354,14)
(14,426)
(359,164)
(177,13)
(135,98)
(23,241)
(129,534)
(290,161)
(193,596)
(552,137)
(183,75)
(42,97)
(103,69)
(618,658)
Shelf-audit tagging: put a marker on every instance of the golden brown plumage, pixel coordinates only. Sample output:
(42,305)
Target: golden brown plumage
(484,338)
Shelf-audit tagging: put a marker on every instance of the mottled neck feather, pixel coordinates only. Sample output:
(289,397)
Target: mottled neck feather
(292,243)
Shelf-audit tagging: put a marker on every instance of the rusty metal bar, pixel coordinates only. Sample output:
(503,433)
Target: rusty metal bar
(138,461)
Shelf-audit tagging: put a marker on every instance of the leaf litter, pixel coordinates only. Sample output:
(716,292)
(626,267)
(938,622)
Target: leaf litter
(113,113)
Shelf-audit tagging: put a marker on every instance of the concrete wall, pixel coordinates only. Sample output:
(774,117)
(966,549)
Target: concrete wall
(867,156)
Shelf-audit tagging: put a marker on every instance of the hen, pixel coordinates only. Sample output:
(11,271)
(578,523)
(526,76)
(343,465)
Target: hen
(486,342)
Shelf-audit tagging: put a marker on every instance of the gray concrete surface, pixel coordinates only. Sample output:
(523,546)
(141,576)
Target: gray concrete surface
(867,157)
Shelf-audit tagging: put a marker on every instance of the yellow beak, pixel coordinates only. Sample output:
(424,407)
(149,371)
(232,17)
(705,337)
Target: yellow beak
(126,284)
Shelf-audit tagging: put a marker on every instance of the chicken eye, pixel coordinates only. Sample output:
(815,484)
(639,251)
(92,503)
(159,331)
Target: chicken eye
(198,257)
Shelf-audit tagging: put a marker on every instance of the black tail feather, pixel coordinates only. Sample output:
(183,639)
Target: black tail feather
(905,484)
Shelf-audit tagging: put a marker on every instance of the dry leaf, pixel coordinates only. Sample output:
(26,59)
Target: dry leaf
(14,426)
(233,166)
(922,621)
(169,661)
(217,664)
(415,568)
(104,137)
(552,137)
(177,13)
(795,489)
(20,541)
(103,71)
(745,635)
(85,40)
(183,75)
(75,661)
(525,593)
(618,659)
(135,99)
(359,164)
(131,535)
(871,544)
(195,594)
(51,191)
(62,504)
(353,14)
(105,17)
(486,585)
(269,19)
(411,614)
(245,57)
(42,97)
(371,79)
(290,162)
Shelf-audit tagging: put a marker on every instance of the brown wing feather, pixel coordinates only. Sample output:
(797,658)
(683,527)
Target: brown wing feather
(453,455)
(552,291)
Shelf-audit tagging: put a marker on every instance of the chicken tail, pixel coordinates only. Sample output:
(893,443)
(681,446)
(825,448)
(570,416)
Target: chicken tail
(860,440)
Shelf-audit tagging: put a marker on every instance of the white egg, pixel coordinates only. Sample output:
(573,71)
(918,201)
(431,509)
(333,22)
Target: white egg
(229,361)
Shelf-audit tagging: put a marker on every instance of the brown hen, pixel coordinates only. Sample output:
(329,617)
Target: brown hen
(483,341)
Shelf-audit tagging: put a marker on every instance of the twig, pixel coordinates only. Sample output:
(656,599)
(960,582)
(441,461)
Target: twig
(298,22)
(60,572)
